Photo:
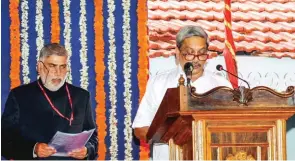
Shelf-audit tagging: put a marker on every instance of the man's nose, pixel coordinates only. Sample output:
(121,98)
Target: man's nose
(57,71)
(195,60)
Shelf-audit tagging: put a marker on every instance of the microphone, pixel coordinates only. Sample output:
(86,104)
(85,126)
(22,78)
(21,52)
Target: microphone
(220,68)
(188,68)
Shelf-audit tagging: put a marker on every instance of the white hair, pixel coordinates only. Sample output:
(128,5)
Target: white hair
(189,31)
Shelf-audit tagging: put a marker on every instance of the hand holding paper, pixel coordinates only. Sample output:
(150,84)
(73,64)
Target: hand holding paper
(79,153)
(66,143)
(42,150)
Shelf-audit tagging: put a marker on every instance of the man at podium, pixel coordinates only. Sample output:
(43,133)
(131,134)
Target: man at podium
(192,45)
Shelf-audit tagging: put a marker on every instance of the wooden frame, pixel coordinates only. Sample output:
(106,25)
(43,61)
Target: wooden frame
(224,124)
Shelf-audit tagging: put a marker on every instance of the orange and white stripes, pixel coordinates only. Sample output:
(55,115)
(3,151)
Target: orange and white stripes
(21,48)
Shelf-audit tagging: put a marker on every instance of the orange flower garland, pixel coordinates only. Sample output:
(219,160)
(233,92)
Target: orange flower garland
(55,26)
(142,62)
(14,44)
(100,69)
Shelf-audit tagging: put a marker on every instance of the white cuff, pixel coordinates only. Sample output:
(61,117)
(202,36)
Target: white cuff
(34,154)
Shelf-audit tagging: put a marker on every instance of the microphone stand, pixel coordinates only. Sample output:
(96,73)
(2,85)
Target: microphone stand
(221,68)
(189,74)
(188,69)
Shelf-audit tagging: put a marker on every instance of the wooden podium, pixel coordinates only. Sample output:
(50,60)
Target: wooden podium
(223,124)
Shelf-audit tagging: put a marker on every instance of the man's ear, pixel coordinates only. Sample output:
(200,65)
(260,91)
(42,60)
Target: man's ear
(177,54)
(39,67)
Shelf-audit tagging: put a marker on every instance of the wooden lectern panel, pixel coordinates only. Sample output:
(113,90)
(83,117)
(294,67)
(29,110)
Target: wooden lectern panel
(224,124)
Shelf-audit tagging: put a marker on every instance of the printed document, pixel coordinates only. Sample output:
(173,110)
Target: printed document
(66,142)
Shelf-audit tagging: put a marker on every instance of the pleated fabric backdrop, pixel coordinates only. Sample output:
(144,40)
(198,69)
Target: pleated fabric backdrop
(107,42)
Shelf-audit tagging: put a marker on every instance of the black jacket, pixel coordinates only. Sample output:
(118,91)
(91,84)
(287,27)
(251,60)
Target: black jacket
(28,118)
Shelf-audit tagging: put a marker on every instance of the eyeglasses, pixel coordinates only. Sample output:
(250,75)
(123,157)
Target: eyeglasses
(54,68)
(190,55)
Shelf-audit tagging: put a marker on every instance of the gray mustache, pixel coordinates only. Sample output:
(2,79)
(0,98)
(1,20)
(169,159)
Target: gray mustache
(197,65)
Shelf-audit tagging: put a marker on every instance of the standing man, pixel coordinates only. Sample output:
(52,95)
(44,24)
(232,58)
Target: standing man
(36,111)
(192,46)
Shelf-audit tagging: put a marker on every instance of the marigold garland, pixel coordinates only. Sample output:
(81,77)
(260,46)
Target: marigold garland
(67,34)
(14,44)
(39,27)
(83,51)
(25,48)
(99,56)
(127,80)
(142,62)
(100,69)
(55,26)
(112,81)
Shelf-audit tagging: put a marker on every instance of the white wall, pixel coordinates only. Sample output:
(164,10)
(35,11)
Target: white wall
(271,72)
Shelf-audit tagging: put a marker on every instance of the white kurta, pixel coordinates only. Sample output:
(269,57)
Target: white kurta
(156,88)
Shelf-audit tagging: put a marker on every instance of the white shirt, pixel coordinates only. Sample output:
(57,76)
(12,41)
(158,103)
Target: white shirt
(156,88)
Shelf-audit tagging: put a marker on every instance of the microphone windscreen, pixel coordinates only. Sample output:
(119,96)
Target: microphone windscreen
(188,66)
(219,67)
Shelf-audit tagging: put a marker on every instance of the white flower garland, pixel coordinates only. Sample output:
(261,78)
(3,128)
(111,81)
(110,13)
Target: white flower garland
(39,27)
(67,34)
(112,80)
(83,51)
(127,82)
(24,41)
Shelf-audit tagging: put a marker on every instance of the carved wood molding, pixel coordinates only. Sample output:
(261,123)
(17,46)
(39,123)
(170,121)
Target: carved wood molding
(288,93)
(210,92)
(244,95)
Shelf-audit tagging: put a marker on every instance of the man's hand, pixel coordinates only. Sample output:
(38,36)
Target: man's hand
(42,150)
(78,153)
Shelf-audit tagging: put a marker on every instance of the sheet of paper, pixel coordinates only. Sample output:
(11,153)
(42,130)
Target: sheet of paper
(66,142)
